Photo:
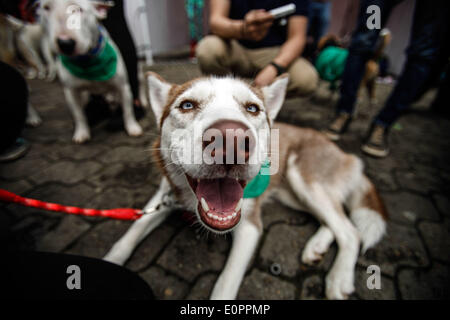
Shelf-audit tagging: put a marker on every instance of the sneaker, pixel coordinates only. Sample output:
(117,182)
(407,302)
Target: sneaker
(376,143)
(16,151)
(338,126)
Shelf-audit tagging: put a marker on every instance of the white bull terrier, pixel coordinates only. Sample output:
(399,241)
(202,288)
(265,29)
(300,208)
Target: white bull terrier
(309,172)
(89,61)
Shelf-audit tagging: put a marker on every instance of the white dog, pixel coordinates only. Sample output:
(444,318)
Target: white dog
(89,61)
(27,42)
(313,173)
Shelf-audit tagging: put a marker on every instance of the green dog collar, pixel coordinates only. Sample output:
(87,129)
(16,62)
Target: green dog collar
(258,184)
(101,67)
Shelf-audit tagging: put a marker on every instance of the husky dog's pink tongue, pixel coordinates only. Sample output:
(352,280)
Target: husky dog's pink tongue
(220,201)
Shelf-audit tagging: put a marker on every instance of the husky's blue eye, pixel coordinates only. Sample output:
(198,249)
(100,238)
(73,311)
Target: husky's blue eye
(187,105)
(252,108)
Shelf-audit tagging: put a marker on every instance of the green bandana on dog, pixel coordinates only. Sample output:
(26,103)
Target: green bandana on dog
(101,67)
(258,184)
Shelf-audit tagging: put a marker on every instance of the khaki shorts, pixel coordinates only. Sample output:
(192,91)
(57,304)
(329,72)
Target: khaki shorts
(221,57)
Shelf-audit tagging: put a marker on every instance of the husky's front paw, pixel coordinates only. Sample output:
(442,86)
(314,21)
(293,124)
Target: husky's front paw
(315,248)
(339,284)
(81,135)
(134,129)
(117,256)
(313,253)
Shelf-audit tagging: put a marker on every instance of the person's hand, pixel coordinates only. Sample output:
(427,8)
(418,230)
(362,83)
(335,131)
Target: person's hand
(266,76)
(257,24)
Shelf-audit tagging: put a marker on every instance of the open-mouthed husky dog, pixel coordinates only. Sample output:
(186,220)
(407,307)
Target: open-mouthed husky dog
(89,61)
(313,174)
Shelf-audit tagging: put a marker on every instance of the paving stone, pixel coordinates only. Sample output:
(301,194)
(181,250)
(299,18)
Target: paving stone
(146,252)
(121,197)
(132,175)
(126,154)
(22,168)
(274,212)
(443,204)
(405,207)
(69,229)
(437,239)
(418,180)
(188,256)
(19,187)
(283,245)
(386,292)
(76,151)
(262,286)
(28,231)
(66,172)
(383,181)
(416,284)
(164,286)
(100,239)
(51,131)
(401,246)
(313,288)
(203,287)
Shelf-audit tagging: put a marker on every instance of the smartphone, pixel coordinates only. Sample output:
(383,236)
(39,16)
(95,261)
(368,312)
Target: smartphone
(283,11)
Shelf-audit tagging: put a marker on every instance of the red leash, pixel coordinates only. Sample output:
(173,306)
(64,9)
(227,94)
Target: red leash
(121,213)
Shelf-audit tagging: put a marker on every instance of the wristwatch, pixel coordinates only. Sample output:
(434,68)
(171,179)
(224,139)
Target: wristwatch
(280,69)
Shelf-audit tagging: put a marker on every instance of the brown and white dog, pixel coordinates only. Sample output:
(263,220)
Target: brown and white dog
(310,172)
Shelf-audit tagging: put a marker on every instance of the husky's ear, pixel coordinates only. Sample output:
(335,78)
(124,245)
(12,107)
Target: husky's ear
(101,8)
(274,95)
(159,93)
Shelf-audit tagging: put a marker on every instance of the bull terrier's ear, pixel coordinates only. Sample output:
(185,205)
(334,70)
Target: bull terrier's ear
(159,93)
(274,95)
(101,8)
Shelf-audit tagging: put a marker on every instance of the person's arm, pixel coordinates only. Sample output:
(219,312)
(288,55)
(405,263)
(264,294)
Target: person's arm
(254,26)
(289,51)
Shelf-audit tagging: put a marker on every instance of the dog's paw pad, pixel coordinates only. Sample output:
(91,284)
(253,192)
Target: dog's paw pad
(339,286)
(134,130)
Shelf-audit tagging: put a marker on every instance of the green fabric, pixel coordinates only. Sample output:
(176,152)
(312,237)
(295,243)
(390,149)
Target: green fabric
(98,68)
(330,63)
(259,184)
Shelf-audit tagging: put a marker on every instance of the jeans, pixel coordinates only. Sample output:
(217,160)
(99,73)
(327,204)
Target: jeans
(319,19)
(425,49)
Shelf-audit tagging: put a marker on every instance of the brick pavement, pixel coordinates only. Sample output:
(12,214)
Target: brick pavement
(180,261)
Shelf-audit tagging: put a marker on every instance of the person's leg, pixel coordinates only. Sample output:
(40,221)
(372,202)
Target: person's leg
(217,56)
(303,78)
(13,113)
(430,28)
(360,51)
(323,16)
(116,25)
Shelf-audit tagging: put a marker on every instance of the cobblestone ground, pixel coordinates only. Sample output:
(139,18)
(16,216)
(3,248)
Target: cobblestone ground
(179,261)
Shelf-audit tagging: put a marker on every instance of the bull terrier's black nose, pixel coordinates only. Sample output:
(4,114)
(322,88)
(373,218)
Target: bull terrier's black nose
(67,46)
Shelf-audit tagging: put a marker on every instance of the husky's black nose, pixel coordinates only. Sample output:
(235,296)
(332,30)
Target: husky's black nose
(66,46)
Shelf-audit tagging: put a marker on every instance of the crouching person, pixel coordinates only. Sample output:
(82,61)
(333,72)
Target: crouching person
(247,41)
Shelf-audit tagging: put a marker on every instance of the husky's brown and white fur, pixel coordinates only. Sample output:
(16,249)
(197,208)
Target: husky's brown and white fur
(314,174)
